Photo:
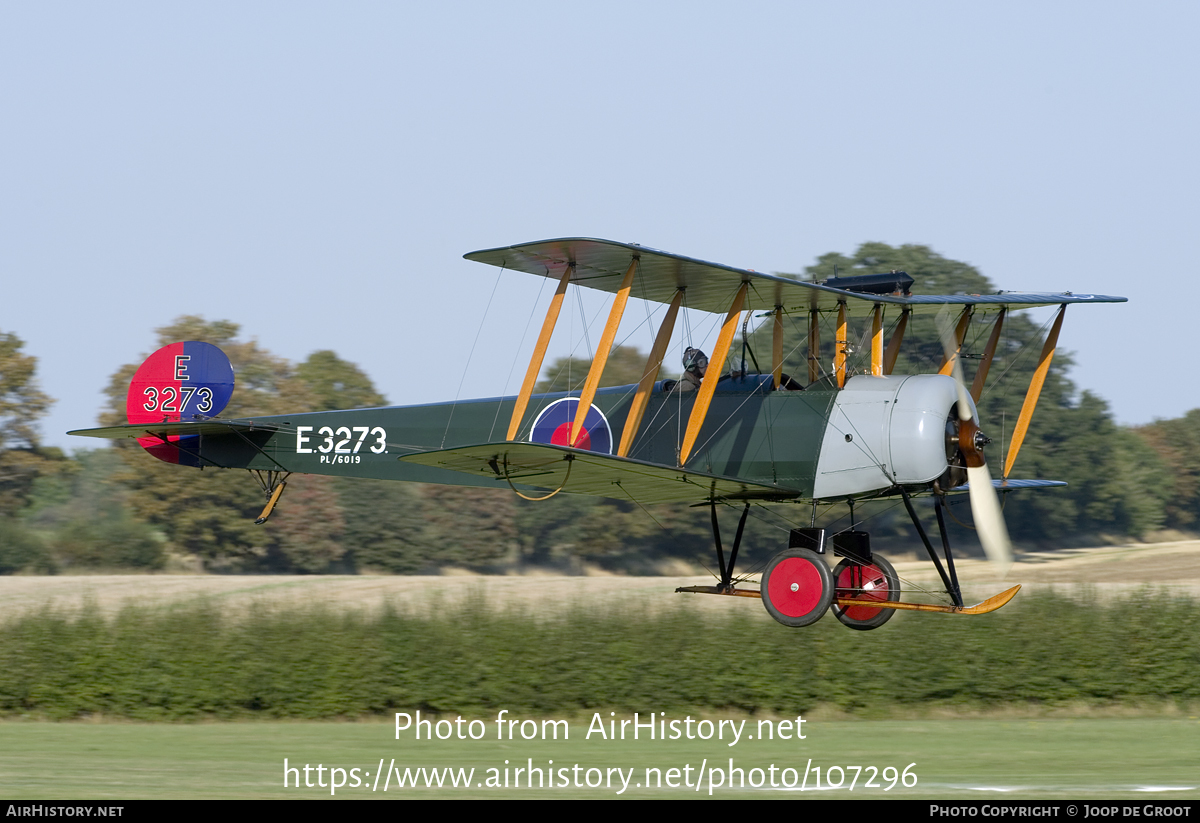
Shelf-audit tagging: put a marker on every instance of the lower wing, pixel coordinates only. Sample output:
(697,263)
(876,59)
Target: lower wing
(575,471)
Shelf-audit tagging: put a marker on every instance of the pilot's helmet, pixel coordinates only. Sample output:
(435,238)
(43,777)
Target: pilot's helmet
(694,360)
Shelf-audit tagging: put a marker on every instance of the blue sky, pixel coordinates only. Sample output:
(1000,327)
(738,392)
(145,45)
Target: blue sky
(315,172)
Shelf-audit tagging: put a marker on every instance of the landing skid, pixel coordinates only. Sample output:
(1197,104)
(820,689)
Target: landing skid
(983,607)
(732,592)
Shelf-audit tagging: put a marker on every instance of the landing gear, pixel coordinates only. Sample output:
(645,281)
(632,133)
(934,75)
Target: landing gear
(874,580)
(949,580)
(727,582)
(797,587)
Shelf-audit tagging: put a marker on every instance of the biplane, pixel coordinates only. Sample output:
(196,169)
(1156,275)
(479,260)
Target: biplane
(738,438)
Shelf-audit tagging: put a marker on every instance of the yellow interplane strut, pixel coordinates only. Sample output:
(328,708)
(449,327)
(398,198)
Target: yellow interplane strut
(960,334)
(637,409)
(988,353)
(539,353)
(777,347)
(708,385)
(839,350)
(877,341)
(602,351)
(893,347)
(1035,391)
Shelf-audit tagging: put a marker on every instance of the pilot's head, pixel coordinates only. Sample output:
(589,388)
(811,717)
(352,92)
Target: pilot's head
(695,361)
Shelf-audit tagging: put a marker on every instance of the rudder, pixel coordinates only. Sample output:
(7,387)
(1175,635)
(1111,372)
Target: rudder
(191,380)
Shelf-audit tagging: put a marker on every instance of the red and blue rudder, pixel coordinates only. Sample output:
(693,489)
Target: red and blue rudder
(187,381)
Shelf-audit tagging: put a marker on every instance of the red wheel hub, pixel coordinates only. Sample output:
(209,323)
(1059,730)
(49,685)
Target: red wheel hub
(795,587)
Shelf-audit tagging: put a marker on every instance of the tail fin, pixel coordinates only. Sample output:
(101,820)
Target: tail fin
(183,381)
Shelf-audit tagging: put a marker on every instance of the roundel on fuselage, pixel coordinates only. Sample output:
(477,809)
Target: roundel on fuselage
(553,426)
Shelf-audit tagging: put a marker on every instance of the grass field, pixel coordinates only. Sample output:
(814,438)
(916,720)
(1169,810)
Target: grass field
(983,759)
(994,756)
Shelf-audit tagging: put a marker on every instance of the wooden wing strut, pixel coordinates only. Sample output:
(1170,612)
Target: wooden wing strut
(637,409)
(893,347)
(960,334)
(877,341)
(1035,391)
(839,349)
(602,352)
(539,354)
(988,353)
(708,385)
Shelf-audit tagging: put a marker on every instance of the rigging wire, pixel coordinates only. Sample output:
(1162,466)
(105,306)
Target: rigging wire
(572,387)
(587,338)
(1013,361)
(647,429)
(1026,347)
(478,331)
(640,506)
(517,353)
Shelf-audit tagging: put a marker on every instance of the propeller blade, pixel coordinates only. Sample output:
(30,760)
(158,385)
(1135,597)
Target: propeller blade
(985,503)
(989,519)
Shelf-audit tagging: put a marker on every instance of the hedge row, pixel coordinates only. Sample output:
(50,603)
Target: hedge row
(195,662)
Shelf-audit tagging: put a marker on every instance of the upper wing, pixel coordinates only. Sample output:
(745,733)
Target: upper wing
(601,264)
(534,465)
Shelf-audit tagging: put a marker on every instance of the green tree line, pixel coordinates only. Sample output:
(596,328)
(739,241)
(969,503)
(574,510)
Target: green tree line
(120,508)
(201,662)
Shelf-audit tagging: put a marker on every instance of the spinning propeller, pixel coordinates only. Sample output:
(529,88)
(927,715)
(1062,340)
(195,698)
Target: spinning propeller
(985,504)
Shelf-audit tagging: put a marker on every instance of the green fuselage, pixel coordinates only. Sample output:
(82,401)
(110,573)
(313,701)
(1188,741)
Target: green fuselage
(771,437)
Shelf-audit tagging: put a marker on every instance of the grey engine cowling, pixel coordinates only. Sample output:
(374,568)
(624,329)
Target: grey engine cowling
(886,431)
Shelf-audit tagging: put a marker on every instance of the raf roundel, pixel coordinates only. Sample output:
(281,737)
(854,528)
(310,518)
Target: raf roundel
(553,427)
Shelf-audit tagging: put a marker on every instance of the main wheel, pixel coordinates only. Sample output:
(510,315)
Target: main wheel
(797,587)
(876,580)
